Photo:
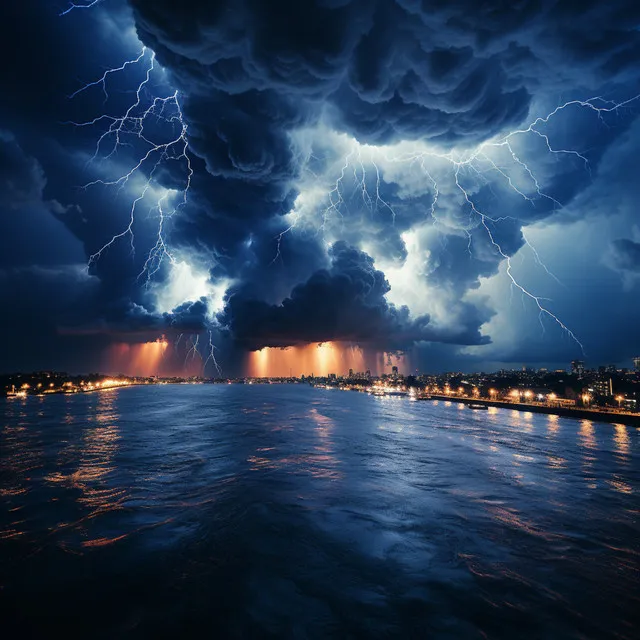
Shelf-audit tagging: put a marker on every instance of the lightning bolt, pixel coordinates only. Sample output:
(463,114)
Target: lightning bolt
(336,199)
(73,5)
(480,163)
(102,82)
(375,202)
(193,351)
(281,235)
(130,129)
(211,356)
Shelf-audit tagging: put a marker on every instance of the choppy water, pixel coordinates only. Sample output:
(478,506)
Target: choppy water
(278,511)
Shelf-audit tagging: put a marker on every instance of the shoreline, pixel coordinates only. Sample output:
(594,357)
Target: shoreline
(74,393)
(565,412)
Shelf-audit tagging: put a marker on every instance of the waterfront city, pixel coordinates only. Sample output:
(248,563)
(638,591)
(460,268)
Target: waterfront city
(604,392)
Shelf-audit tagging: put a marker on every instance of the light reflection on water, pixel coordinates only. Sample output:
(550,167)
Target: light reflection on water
(292,512)
(622,440)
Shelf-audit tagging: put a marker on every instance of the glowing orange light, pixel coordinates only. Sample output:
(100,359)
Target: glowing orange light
(142,359)
(318,358)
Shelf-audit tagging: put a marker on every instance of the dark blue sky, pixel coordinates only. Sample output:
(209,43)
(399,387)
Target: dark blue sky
(455,179)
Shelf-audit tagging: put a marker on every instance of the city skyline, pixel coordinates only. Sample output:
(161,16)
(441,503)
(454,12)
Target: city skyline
(574,392)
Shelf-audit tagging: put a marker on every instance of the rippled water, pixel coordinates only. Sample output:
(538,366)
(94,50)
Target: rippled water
(279,511)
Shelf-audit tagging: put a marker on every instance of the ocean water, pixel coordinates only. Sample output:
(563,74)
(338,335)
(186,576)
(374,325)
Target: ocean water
(236,511)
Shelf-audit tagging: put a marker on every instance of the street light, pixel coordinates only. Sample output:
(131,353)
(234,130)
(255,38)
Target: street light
(619,399)
(492,393)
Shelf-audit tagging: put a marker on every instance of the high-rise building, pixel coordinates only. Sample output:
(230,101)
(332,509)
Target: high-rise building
(394,371)
(603,386)
(351,373)
(636,363)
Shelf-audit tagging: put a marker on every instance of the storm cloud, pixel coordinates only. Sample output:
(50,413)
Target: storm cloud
(331,196)
(343,303)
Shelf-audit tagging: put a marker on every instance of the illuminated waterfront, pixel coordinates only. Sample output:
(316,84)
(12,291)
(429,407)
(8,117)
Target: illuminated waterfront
(228,509)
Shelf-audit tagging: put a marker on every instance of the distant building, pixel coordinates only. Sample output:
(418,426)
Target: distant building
(351,373)
(636,363)
(332,376)
(577,367)
(394,371)
(603,387)
(367,375)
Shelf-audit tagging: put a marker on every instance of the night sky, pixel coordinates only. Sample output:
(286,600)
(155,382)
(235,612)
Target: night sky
(454,180)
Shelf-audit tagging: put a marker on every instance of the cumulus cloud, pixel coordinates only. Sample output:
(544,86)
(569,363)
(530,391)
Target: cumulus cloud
(345,302)
(623,256)
(22,179)
(389,70)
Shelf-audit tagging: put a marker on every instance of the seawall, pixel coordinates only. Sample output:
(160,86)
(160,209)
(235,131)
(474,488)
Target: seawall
(578,413)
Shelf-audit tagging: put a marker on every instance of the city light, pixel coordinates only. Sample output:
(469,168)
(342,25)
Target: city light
(527,387)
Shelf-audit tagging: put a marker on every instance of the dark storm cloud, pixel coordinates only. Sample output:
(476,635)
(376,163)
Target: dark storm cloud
(452,265)
(21,177)
(449,71)
(251,74)
(625,256)
(345,302)
(35,301)
(55,311)
(29,231)
(188,317)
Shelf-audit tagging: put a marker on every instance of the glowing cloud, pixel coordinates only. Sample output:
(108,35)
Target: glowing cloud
(319,359)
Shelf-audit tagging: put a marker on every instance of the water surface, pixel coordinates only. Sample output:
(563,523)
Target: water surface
(290,512)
